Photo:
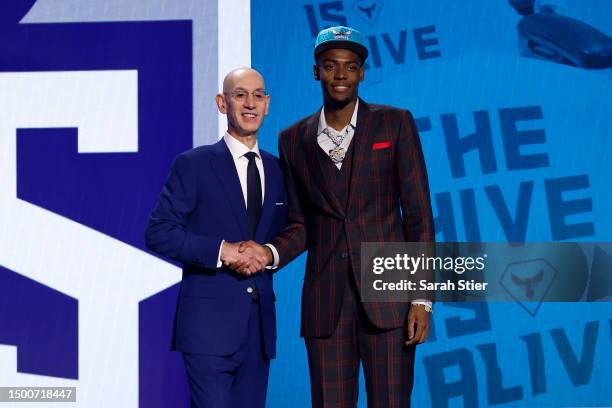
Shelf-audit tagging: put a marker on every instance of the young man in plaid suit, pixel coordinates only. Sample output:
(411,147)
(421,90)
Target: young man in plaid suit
(354,173)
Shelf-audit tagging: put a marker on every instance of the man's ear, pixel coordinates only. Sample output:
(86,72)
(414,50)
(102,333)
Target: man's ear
(267,108)
(361,73)
(317,77)
(220,99)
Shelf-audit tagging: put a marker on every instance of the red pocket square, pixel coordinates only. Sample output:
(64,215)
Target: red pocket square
(381,145)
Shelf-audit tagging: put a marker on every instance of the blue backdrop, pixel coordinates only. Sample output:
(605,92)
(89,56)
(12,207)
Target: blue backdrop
(517,145)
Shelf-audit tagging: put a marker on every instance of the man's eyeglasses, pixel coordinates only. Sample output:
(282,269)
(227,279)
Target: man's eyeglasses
(241,95)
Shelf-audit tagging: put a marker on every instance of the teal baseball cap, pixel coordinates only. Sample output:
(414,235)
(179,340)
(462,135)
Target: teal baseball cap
(341,37)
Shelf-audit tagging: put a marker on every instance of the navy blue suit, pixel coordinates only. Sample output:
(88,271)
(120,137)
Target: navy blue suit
(200,205)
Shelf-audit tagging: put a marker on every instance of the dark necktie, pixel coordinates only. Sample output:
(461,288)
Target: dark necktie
(253,194)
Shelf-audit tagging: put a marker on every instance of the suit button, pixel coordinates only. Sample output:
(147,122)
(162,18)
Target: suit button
(344,255)
(249,290)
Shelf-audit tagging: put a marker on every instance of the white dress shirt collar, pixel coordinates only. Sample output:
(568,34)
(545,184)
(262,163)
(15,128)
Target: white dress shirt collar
(323,122)
(237,149)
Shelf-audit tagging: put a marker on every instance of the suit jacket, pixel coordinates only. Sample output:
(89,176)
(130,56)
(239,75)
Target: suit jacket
(388,201)
(200,205)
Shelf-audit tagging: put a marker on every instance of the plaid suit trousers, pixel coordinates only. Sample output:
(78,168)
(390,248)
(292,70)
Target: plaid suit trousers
(334,361)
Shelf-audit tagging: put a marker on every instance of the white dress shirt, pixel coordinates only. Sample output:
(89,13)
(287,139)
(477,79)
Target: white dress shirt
(326,143)
(238,151)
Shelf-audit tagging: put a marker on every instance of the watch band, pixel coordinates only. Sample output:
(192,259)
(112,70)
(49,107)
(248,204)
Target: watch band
(426,307)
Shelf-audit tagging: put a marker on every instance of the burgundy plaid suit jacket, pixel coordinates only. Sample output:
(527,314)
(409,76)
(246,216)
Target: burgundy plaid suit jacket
(388,175)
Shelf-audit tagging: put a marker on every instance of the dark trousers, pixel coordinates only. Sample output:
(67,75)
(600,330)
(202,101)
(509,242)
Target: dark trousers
(388,364)
(235,381)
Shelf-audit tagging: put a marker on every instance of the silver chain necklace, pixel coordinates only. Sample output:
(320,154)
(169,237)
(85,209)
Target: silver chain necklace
(338,153)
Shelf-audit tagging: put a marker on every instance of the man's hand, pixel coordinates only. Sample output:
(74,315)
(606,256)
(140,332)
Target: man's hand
(246,258)
(258,256)
(236,257)
(419,316)
(231,256)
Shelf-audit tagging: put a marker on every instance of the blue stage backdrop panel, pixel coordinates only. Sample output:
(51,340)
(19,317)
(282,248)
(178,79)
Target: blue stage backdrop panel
(512,100)
(109,192)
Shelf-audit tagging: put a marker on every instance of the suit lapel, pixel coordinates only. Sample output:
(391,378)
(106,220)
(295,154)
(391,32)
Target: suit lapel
(269,203)
(313,163)
(360,147)
(224,168)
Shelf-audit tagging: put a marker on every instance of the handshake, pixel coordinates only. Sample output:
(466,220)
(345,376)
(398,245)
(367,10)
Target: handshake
(246,257)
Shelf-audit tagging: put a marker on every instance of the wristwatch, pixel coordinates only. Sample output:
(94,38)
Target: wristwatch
(424,306)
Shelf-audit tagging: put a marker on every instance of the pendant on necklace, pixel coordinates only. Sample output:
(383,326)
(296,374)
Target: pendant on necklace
(337,154)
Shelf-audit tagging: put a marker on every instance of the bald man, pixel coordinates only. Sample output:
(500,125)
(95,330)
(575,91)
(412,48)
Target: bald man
(216,197)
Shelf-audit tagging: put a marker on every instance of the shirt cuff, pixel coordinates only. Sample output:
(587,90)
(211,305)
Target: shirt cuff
(424,303)
(219,263)
(274,255)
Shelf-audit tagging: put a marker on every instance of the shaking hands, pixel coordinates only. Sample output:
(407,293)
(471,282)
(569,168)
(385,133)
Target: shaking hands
(247,257)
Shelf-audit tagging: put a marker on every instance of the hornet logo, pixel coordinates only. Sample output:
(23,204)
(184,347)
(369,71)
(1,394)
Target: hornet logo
(528,283)
(368,10)
(341,34)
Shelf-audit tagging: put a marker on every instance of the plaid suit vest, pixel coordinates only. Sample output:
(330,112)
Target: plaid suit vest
(341,181)
(341,177)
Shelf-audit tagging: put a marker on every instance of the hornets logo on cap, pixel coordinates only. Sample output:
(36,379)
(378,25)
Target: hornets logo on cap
(341,37)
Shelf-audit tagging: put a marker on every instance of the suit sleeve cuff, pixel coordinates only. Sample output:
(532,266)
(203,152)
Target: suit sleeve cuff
(274,255)
(425,303)
(219,263)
